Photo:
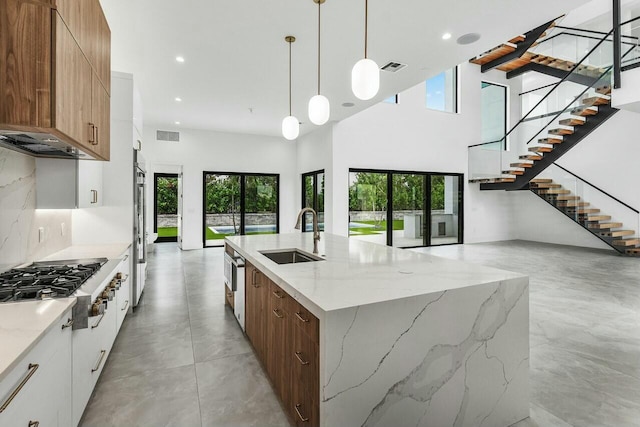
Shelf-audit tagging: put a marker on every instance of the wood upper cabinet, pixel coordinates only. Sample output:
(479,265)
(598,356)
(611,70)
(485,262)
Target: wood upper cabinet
(87,23)
(55,71)
(25,70)
(73,85)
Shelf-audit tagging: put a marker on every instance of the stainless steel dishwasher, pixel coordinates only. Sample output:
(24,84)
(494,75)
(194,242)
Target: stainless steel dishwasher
(234,279)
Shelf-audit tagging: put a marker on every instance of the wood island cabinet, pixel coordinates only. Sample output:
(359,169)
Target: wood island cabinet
(55,71)
(285,336)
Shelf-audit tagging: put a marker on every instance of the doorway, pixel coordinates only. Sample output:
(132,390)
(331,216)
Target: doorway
(165,208)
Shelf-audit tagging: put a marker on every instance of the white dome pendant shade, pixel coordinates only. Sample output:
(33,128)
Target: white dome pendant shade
(365,79)
(319,110)
(365,75)
(290,128)
(290,124)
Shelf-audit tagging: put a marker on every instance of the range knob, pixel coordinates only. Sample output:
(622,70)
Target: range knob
(97,308)
(115,284)
(119,276)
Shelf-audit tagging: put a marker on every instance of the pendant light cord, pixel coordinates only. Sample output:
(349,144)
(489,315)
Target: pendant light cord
(366,26)
(290,78)
(319,48)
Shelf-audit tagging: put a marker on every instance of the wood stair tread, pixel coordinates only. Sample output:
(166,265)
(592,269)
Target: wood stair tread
(573,121)
(533,157)
(513,172)
(596,100)
(541,181)
(547,185)
(495,53)
(560,131)
(586,211)
(626,242)
(518,39)
(540,149)
(550,141)
(605,225)
(521,165)
(598,218)
(554,191)
(570,204)
(604,90)
(634,251)
(561,198)
(585,110)
(618,233)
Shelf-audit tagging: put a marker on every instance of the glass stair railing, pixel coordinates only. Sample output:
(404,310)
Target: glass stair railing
(608,218)
(557,117)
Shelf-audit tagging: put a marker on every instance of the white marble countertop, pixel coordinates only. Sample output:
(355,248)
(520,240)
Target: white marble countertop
(23,324)
(112,250)
(357,273)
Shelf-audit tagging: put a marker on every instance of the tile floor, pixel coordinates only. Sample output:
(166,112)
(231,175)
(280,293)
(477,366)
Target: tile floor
(181,360)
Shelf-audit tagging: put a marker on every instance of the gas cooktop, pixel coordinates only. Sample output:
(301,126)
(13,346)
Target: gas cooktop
(42,280)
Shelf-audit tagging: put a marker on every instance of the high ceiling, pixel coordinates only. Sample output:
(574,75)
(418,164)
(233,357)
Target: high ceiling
(235,74)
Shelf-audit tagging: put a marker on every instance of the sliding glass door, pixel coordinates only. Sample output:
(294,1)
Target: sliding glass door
(405,209)
(237,204)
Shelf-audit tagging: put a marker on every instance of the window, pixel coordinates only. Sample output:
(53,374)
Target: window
(442,91)
(313,197)
(392,99)
(494,112)
(236,204)
(165,209)
(405,209)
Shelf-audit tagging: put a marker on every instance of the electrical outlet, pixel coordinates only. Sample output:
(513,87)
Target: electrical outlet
(62,229)
(40,234)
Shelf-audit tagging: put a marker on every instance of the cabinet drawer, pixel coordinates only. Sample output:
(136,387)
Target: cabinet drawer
(304,408)
(39,387)
(304,359)
(123,296)
(302,318)
(278,299)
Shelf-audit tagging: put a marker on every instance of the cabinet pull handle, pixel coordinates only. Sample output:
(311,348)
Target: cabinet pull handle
(92,138)
(124,278)
(302,418)
(33,367)
(96,193)
(68,324)
(300,359)
(97,135)
(278,295)
(126,257)
(126,305)
(254,274)
(102,353)
(302,319)
(94,196)
(34,423)
(278,315)
(98,322)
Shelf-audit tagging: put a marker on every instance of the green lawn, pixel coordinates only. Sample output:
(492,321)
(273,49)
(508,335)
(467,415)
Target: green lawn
(167,231)
(381,227)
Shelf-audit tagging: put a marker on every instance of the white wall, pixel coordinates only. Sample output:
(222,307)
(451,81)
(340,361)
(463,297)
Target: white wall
(408,136)
(200,151)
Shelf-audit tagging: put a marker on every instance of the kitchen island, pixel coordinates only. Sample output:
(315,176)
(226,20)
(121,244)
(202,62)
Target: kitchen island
(402,338)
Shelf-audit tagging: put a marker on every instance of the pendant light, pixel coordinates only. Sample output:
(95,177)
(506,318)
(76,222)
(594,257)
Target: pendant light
(365,75)
(290,124)
(319,109)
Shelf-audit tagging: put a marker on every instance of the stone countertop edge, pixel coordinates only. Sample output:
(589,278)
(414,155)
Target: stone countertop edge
(10,357)
(442,268)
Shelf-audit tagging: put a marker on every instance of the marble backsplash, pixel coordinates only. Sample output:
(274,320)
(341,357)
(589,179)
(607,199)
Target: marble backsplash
(20,220)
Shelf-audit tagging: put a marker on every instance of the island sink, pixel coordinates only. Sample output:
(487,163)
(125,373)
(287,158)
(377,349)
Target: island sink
(289,256)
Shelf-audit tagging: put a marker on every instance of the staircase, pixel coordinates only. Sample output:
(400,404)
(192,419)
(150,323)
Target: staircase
(590,218)
(582,120)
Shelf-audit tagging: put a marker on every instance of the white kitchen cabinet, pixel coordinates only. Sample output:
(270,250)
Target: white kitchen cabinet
(42,380)
(68,184)
(123,295)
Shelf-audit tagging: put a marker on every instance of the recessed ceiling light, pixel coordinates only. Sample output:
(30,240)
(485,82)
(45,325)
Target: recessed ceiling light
(446,36)
(180,59)
(178,99)
(348,104)
(177,123)
(468,38)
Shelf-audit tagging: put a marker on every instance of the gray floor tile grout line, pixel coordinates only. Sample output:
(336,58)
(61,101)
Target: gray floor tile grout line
(193,350)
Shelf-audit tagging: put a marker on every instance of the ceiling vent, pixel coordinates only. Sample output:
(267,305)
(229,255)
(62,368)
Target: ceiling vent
(165,135)
(392,67)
